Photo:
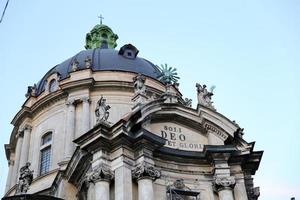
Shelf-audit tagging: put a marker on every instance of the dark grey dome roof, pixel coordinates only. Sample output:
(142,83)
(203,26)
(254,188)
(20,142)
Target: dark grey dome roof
(104,59)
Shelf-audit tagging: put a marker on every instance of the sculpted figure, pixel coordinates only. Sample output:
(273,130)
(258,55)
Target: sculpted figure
(25,179)
(101,111)
(75,65)
(204,96)
(88,62)
(31,91)
(139,84)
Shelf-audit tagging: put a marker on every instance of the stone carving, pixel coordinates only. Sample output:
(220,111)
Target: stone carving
(101,111)
(168,74)
(145,171)
(221,183)
(88,62)
(179,184)
(25,179)
(139,85)
(101,173)
(75,65)
(31,91)
(253,193)
(239,131)
(188,102)
(204,96)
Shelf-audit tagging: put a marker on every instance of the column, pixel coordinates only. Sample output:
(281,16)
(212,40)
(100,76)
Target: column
(145,175)
(101,177)
(17,159)
(224,187)
(8,180)
(123,183)
(25,146)
(91,192)
(70,129)
(102,190)
(85,114)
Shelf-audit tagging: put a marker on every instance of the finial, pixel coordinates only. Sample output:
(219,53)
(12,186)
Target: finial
(100,17)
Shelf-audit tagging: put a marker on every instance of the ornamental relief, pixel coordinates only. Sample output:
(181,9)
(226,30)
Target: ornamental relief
(179,136)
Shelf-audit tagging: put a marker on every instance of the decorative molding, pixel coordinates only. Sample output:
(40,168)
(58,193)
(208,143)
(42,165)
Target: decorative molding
(145,171)
(101,173)
(216,131)
(221,183)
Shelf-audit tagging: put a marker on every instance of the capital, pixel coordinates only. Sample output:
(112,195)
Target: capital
(101,173)
(85,99)
(222,183)
(70,102)
(145,171)
(27,127)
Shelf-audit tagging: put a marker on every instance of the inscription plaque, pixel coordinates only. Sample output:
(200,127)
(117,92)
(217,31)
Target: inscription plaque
(178,136)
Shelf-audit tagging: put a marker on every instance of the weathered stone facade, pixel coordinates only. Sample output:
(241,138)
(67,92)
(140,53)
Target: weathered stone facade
(125,135)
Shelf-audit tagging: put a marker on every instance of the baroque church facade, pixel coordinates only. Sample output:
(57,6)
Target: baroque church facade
(108,125)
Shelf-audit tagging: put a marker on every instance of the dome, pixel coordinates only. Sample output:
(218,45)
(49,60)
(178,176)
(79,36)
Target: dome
(100,55)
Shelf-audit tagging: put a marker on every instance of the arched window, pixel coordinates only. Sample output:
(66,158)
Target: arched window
(53,85)
(45,153)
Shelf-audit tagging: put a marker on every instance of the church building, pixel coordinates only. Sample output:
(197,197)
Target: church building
(107,124)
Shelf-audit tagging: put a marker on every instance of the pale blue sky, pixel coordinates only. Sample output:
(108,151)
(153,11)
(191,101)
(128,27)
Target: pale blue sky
(248,49)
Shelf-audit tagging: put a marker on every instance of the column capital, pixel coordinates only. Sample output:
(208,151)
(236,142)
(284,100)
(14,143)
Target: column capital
(70,102)
(85,99)
(27,127)
(101,173)
(145,171)
(222,183)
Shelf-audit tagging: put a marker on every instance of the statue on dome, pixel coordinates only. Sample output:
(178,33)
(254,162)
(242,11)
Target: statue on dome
(25,179)
(75,65)
(88,62)
(139,84)
(31,91)
(204,96)
(101,111)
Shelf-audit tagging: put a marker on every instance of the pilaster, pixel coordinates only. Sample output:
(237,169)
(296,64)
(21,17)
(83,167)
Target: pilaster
(25,146)
(70,129)
(85,114)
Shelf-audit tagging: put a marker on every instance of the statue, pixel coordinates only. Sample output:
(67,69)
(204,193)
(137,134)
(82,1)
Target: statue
(188,102)
(75,65)
(88,62)
(25,179)
(139,85)
(31,91)
(204,96)
(101,111)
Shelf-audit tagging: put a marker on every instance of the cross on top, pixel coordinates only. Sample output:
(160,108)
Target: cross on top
(100,17)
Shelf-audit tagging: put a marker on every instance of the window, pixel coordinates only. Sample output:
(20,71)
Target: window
(45,160)
(45,153)
(53,85)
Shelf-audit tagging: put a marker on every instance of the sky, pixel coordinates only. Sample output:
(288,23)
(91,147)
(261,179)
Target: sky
(248,49)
